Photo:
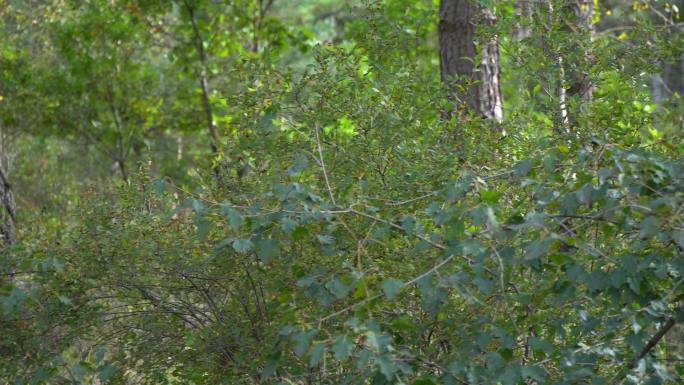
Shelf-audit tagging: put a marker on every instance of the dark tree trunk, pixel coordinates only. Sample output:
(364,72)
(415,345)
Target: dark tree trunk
(8,216)
(458,21)
(121,164)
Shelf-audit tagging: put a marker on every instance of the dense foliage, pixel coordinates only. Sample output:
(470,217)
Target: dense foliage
(277,191)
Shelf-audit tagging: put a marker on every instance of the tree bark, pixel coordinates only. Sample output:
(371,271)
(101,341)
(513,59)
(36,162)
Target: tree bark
(8,222)
(458,48)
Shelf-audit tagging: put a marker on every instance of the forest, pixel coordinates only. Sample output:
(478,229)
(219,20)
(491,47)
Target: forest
(353,192)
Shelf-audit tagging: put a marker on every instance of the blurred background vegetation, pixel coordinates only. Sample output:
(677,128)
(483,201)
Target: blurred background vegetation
(300,192)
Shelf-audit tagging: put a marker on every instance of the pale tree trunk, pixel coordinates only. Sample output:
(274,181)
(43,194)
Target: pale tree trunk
(559,77)
(673,78)
(668,83)
(657,89)
(572,77)
(459,51)
(673,70)
(561,93)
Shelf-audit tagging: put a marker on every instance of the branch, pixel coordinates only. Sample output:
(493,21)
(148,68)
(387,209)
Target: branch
(405,284)
(396,226)
(664,328)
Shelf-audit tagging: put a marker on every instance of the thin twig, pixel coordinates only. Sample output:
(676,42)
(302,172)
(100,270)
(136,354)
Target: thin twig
(405,284)
(325,173)
(396,226)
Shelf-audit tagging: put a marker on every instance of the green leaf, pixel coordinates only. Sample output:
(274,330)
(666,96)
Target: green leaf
(490,197)
(39,376)
(408,224)
(534,372)
(677,237)
(539,345)
(337,288)
(271,365)
(597,280)
(203,227)
(343,346)
(267,249)
(325,239)
(347,126)
(387,366)
(391,287)
(473,247)
(159,186)
(16,297)
(649,227)
(106,372)
(80,369)
(379,341)
(300,233)
(570,203)
(100,353)
(403,324)
(510,375)
(316,355)
(536,220)
(300,164)
(64,299)
(523,168)
(537,249)
(302,341)
(494,361)
(485,285)
(363,358)
(235,218)
(479,215)
(266,122)
(242,245)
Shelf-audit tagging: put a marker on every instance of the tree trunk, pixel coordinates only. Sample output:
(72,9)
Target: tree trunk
(458,48)
(673,78)
(673,71)
(572,72)
(8,217)
(121,164)
(523,11)
(671,81)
